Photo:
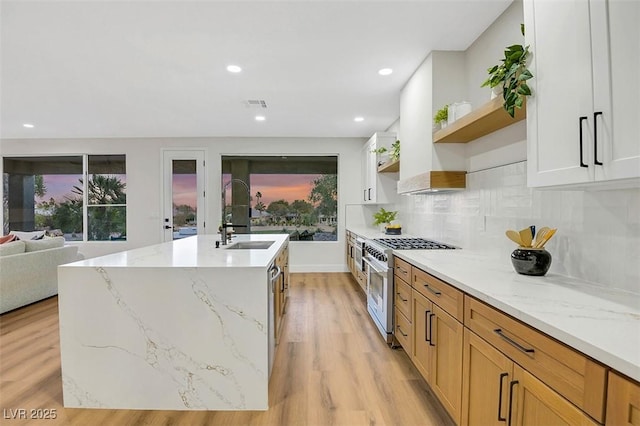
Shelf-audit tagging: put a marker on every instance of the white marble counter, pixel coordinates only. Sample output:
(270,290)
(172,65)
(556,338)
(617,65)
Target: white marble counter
(197,251)
(175,326)
(600,322)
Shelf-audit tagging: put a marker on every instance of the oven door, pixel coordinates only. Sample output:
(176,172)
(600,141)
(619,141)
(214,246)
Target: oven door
(378,296)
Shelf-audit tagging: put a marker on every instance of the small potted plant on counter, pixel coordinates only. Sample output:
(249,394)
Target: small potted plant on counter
(385,217)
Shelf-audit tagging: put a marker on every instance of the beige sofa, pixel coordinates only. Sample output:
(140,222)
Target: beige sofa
(29,270)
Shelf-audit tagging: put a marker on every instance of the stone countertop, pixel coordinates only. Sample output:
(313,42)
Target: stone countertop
(197,251)
(601,322)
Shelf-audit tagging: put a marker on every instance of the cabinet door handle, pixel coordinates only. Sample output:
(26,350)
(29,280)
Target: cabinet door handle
(500,418)
(511,386)
(400,296)
(364,195)
(582,164)
(402,271)
(512,342)
(431,316)
(595,138)
(437,293)
(369,194)
(400,330)
(426,326)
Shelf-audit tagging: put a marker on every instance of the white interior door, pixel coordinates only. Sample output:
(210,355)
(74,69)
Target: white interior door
(183,188)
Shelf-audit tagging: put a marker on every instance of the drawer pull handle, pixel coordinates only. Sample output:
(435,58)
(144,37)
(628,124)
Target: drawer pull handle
(511,386)
(437,293)
(500,418)
(431,343)
(512,342)
(400,330)
(402,270)
(400,296)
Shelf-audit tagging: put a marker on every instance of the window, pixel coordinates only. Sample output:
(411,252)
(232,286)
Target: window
(297,195)
(50,193)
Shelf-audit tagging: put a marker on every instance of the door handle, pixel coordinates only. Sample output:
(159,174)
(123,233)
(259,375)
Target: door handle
(500,418)
(167,227)
(511,386)
(431,316)
(582,164)
(595,138)
(426,326)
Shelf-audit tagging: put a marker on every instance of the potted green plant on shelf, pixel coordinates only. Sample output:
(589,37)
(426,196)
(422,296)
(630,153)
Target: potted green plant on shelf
(511,74)
(385,217)
(394,153)
(441,118)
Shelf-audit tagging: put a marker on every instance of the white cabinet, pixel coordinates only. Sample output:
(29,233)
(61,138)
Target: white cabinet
(377,188)
(583,119)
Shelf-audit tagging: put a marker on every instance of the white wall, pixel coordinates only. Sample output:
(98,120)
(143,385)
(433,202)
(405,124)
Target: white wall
(144,184)
(598,238)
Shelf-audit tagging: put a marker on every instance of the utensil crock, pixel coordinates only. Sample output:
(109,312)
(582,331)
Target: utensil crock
(529,261)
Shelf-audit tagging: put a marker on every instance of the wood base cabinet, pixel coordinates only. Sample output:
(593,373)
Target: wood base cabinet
(534,403)
(497,391)
(623,401)
(437,351)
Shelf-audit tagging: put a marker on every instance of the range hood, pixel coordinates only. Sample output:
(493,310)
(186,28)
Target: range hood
(433,182)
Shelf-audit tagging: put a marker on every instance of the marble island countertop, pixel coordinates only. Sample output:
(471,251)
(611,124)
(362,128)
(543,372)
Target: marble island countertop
(197,251)
(601,322)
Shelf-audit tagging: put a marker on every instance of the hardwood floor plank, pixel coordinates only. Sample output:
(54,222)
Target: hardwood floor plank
(332,367)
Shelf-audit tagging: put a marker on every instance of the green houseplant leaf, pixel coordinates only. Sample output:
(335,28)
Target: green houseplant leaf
(511,73)
(384,216)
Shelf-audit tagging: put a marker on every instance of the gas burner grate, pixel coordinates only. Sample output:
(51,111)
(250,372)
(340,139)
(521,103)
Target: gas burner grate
(412,244)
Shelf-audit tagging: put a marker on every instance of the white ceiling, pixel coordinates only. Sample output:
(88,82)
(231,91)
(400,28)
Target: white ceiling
(80,69)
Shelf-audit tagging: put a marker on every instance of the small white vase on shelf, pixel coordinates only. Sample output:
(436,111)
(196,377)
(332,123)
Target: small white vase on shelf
(496,91)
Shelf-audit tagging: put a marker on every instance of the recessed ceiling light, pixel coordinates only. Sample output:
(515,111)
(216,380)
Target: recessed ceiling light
(28,125)
(260,118)
(234,68)
(358,119)
(385,71)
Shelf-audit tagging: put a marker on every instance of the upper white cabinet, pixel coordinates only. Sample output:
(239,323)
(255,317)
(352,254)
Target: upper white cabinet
(583,120)
(377,188)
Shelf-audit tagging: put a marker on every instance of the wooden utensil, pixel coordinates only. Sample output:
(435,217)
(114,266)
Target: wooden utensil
(540,235)
(547,237)
(514,236)
(525,237)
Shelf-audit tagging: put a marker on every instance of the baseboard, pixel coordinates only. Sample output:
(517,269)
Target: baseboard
(318,268)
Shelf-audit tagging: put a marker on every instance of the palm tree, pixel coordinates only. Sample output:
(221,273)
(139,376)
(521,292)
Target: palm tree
(105,220)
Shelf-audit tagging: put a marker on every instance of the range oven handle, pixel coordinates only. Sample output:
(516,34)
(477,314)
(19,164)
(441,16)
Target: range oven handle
(373,266)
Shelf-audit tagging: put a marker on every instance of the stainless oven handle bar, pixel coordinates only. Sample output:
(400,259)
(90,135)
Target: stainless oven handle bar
(374,267)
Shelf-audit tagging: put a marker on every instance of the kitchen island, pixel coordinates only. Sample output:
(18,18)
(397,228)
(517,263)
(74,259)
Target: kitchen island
(181,325)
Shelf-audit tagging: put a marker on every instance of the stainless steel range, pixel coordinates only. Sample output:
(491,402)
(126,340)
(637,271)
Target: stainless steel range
(378,255)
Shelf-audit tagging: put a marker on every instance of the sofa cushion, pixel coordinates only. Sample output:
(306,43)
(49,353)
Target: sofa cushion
(14,247)
(7,238)
(33,235)
(44,244)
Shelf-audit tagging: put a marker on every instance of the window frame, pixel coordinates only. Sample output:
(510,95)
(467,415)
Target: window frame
(85,191)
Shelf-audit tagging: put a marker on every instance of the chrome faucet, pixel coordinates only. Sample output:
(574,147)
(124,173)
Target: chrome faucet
(224,235)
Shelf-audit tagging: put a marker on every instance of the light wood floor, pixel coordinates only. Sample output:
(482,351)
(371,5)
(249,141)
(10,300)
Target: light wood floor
(331,368)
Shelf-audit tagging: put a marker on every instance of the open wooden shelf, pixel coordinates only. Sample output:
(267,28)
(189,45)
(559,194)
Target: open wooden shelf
(389,167)
(480,122)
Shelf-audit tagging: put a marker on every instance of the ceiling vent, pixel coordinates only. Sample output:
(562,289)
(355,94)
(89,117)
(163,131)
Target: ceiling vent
(256,103)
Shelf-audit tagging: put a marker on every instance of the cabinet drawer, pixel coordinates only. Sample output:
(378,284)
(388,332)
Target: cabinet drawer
(439,292)
(402,269)
(568,372)
(403,297)
(402,331)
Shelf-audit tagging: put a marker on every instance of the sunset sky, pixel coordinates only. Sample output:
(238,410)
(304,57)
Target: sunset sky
(272,187)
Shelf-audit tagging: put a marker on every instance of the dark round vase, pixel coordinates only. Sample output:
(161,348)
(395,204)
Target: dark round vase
(531,261)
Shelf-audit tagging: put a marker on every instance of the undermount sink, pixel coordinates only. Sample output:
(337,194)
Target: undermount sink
(250,245)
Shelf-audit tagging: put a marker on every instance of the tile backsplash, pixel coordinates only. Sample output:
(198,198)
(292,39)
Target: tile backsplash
(598,238)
